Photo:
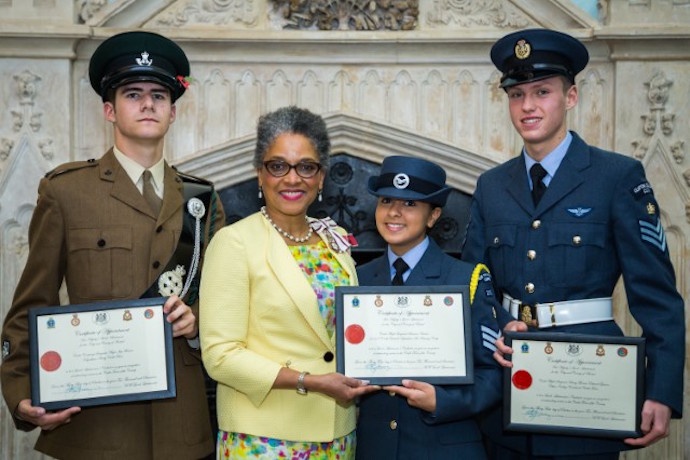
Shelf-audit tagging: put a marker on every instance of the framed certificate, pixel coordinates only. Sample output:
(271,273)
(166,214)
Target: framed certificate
(387,333)
(575,384)
(100,353)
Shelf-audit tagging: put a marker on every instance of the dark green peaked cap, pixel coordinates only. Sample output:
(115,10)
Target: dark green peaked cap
(139,56)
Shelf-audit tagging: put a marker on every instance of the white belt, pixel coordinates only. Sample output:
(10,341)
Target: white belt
(564,313)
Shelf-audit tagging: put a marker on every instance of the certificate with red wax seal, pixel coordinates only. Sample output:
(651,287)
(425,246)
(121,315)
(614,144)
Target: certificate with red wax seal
(100,353)
(387,333)
(585,385)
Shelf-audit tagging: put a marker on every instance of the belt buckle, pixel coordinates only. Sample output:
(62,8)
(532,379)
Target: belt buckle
(528,315)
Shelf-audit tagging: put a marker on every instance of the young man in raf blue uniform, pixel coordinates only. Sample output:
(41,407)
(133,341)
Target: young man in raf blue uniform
(121,227)
(417,420)
(563,221)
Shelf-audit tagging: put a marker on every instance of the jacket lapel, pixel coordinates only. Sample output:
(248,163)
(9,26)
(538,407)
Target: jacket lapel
(379,274)
(427,268)
(173,196)
(288,273)
(518,187)
(568,176)
(123,189)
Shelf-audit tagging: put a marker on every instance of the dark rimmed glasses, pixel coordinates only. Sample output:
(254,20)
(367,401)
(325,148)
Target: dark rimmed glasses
(280,168)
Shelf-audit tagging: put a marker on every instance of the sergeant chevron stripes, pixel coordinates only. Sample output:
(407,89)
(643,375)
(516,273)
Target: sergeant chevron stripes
(653,234)
(489,337)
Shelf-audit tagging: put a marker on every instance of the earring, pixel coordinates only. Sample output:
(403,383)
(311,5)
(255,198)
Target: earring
(261,194)
(320,196)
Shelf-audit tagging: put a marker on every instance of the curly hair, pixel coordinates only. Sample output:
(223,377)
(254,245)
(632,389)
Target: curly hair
(292,120)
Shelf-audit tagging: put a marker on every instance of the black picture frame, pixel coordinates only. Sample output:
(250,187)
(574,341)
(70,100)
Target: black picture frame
(569,386)
(455,337)
(95,370)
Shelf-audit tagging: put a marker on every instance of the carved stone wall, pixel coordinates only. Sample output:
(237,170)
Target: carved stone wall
(408,77)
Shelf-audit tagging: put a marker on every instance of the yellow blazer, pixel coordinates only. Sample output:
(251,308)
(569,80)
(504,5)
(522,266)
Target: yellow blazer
(259,313)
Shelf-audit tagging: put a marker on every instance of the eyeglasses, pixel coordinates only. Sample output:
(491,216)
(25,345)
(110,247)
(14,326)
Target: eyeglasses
(280,168)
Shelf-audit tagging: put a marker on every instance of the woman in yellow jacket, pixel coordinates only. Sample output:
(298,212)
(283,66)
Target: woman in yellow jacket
(267,311)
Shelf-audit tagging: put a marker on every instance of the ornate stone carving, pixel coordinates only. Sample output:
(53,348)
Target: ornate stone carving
(657,122)
(678,152)
(347,15)
(657,90)
(87,8)
(26,91)
(5,148)
(216,12)
(474,12)
(46,148)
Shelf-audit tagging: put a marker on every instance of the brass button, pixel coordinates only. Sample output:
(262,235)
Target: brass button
(577,240)
(391,393)
(531,254)
(496,240)
(529,288)
(393,425)
(536,224)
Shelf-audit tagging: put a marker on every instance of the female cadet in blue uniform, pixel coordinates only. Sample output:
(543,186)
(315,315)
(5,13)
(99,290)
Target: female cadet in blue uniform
(597,219)
(418,420)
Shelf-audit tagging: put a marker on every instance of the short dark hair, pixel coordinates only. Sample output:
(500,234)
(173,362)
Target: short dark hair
(292,120)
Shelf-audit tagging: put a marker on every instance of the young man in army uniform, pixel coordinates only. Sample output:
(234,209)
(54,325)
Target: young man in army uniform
(558,226)
(118,228)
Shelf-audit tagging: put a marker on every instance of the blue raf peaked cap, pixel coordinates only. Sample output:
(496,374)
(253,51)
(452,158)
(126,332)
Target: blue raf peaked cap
(535,54)
(408,178)
(139,56)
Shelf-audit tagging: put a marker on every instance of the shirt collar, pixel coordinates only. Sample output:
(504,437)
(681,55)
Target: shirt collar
(411,257)
(134,170)
(551,162)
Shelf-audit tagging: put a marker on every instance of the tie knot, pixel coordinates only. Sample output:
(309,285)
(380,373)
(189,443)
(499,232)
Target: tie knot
(537,172)
(400,265)
(147,175)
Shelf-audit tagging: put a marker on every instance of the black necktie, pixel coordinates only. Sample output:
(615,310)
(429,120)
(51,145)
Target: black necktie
(400,268)
(537,173)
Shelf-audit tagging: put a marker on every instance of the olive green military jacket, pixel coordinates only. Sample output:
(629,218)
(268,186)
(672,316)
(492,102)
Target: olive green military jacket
(93,228)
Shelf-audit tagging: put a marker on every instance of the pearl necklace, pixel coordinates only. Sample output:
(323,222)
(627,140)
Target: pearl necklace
(287,235)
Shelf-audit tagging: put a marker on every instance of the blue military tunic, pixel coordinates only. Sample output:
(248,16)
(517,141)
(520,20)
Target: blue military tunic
(388,427)
(598,220)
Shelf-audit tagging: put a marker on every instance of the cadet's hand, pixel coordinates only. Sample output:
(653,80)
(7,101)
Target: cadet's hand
(503,349)
(339,387)
(182,318)
(42,419)
(418,394)
(655,424)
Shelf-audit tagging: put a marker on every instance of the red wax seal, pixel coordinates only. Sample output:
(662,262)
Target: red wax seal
(522,380)
(354,333)
(50,361)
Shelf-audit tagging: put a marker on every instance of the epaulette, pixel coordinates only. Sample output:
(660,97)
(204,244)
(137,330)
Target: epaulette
(190,178)
(72,166)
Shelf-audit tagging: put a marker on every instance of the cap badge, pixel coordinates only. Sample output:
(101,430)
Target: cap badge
(522,49)
(401,181)
(144,59)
